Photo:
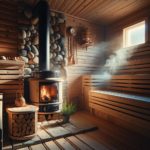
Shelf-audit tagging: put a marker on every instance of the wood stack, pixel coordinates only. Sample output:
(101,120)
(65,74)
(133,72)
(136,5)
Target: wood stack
(22,122)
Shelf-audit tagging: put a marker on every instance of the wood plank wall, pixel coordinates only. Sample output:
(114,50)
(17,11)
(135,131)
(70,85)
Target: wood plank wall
(115,30)
(11,80)
(88,61)
(8,28)
(139,62)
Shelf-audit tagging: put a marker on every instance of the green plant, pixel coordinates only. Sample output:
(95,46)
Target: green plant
(68,109)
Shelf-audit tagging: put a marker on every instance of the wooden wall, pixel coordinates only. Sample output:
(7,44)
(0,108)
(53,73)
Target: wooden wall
(8,28)
(89,60)
(138,59)
(114,31)
(139,62)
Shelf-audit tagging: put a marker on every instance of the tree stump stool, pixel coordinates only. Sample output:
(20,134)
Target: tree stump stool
(22,122)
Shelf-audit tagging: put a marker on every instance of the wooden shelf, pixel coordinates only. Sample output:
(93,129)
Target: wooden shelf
(11,63)
(11,79)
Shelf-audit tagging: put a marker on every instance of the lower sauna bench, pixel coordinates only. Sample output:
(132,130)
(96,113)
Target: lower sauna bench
(133,111)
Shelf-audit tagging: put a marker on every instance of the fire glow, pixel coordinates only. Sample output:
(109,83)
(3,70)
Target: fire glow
(48,93)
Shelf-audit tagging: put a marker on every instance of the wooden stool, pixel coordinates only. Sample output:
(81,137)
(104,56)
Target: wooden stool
(22,122)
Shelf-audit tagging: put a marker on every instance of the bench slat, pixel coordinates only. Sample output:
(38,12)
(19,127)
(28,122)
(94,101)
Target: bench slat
(130,104)
(121,108)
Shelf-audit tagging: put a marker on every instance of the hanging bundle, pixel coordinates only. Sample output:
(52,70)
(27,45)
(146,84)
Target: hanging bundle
(72,46)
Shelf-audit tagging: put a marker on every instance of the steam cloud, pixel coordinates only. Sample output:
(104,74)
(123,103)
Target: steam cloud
(117,60)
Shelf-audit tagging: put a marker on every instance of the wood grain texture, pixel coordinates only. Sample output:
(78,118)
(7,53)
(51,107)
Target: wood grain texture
(86,59)
(11,79)
(107,137)
(52,145)
(38,146)
(26,148)
(108,98)
(65,144)
(77,142)
(97,10)
(8,28)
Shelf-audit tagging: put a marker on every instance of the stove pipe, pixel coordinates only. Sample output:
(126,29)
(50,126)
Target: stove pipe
(43,13)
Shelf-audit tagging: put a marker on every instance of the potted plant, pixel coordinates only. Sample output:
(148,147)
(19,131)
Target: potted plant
(67,110)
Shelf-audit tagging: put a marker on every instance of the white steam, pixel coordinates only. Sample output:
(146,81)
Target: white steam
(117,60)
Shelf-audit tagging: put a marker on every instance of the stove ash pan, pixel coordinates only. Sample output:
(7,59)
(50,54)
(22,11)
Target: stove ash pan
(46,94)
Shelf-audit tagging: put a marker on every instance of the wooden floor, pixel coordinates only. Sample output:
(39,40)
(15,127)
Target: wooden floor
(106,137)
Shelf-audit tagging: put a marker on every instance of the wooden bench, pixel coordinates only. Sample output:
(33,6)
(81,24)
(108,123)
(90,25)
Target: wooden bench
(125,97)
(11,79)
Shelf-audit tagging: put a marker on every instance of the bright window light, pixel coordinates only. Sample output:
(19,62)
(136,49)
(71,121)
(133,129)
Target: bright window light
(134,35)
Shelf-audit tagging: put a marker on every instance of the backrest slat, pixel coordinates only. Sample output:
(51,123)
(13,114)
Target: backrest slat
(137,84)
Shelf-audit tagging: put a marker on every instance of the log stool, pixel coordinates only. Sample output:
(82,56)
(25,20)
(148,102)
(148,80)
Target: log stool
(22,122)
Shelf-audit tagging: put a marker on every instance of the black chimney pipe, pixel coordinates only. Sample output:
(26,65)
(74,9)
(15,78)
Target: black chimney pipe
(42,11)
(44,25)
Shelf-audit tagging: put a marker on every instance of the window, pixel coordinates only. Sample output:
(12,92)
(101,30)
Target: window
(134,35)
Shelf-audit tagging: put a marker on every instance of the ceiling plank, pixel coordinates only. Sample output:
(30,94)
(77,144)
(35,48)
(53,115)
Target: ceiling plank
(98,4)
(101,11)
(78,4)
(65,5)
(59,5)
(84,6)
(71,6)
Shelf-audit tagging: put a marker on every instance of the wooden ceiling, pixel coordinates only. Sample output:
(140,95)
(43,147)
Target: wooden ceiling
(102,11)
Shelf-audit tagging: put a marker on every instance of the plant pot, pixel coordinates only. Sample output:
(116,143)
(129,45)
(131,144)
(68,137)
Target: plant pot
(66,118)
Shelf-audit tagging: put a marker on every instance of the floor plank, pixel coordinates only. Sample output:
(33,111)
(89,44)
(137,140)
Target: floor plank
(34,140)
(25,148)
(44,136)
(113,135)
(50,130)
(94,144)
(65,144)
(37,147)
(58,132)
(70,127)
(51,145)
(78,143)
(17,144)
(107,137)
(7,144)
(110,141)
(7,147)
